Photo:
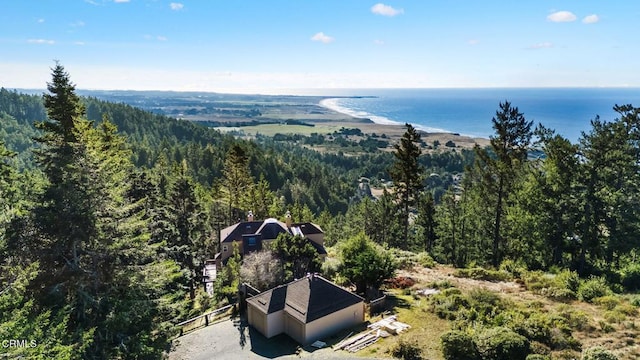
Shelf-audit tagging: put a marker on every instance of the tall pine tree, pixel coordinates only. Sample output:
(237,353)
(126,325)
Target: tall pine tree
(408,176)
(88,239)
(499,167)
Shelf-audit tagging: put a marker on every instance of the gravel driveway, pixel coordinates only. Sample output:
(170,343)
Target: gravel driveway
(233,339)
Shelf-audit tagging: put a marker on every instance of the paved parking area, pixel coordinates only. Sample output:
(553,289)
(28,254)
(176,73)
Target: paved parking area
(233,339)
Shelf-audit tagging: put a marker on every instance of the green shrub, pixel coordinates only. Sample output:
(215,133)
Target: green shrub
(576,319)
(592,288)
(441,284)
(479,273)
(451,291)
(538,357)
(569,280)
(614,317)
(447,307)
(409,259)
(598,353)
(561,339)
(627,309)
(486,302)
(458,345)
(608,302)
(406,351)
(539,348)
(425,260)
(566,355)
(630,277)
(330,267)
(537,327)
(535,281)
(606,328)
(501,343)
(561,287)
(558,294)
(516,269)
(635,301)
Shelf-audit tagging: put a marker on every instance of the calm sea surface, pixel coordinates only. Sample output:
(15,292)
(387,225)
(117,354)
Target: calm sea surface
(469,111)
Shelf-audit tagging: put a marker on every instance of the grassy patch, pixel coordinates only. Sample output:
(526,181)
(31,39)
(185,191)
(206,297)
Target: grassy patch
(425,331)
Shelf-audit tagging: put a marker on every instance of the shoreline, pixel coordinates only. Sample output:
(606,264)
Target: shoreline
(331,104)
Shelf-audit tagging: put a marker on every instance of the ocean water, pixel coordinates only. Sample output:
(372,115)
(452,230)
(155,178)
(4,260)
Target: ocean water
(569,111)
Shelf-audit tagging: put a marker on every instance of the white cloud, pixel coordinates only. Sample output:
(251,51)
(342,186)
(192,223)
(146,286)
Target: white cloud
(473,42)
(378,42)
(156,37)
(591,19)
(385,10)
(176,6)
(542,45)
(322,38)
(120,1)
(41,41)
(40,21)
(562,16)
(78,23)
(79,43)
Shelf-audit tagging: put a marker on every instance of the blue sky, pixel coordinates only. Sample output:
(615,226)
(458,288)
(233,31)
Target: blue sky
(269,46)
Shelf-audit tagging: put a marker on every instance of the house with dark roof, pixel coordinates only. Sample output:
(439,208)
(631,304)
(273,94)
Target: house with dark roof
(307,309)
(253,235)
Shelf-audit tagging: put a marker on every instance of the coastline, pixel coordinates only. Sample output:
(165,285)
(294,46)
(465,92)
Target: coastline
(395,129)
(332,104)
(284,114)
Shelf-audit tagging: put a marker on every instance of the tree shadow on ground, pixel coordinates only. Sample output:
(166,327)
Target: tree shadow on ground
(277,346)
(394,301)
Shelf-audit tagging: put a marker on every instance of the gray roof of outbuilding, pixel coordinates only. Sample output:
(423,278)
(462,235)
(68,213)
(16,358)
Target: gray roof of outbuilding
(306,299)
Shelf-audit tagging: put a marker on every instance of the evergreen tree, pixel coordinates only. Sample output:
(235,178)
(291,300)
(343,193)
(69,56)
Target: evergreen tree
(188,245)
(381,220)
(407,175)
(426,219)
(237,180)
(365,264)
(298,257)
(8,188)
(609,190)
(499,167)
(228,280)
(86,238)
(546,207)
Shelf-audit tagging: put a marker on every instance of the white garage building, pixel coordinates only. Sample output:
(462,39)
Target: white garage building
(308,309)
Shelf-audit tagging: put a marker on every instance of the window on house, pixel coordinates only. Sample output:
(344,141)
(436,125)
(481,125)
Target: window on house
(225,248)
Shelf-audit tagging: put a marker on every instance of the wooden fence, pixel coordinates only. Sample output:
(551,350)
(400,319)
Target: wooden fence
(198,321)
(378,305)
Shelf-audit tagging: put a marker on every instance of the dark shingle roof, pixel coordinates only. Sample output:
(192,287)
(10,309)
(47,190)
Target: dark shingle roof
(306,299)
(271,228)
(319,248)
(270,301)
(308,228)
(235,232)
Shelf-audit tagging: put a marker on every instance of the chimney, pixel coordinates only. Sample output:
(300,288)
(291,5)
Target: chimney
(250,216)
(287,219)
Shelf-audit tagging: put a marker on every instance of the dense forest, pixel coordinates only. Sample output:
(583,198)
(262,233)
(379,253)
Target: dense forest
(108,212)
